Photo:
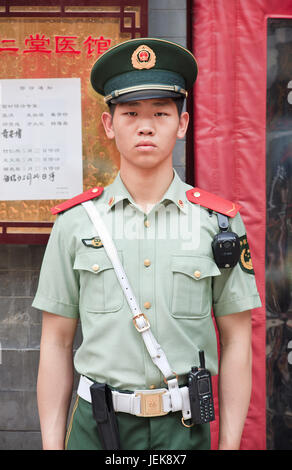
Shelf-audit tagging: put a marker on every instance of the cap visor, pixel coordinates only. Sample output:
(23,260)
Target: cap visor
(145,95)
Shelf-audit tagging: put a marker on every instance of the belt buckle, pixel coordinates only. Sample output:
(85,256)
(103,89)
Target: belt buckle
(151,403)
(143,328)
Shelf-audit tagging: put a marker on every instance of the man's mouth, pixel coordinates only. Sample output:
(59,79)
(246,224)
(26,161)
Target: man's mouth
(144,144)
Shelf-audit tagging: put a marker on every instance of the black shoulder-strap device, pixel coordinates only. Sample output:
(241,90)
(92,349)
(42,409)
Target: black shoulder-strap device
(225,245)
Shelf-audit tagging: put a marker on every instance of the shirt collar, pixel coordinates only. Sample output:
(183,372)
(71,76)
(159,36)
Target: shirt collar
(175,193)
(117,192)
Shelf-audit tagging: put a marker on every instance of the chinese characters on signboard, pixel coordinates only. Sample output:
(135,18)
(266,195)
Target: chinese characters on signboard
(40,139)
(59,47)
(40,43)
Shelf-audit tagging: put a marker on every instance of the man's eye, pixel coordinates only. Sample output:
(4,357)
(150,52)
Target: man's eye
(160,114)
(131,113)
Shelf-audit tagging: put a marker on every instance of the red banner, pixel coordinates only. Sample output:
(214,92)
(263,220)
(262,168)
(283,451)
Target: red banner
(229,42)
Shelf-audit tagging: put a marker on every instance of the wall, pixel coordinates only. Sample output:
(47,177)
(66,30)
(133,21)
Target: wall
(19,335)
(20,324)
(167,20)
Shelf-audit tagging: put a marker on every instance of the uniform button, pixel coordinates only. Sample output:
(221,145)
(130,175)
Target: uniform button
(95,190)
(147,304)
(147,223)
(197,194)
(147,262)
(180,203)
(152,387)
(197,274)
(95,267)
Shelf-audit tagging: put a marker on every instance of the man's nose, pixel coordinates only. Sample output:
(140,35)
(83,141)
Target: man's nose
(145,131)
(145,128)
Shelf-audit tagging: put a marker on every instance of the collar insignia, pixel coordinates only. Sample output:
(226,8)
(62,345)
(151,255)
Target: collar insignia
(93,242)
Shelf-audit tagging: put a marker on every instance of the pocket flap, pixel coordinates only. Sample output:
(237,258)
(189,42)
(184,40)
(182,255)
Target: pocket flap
(93,262)
(197,267)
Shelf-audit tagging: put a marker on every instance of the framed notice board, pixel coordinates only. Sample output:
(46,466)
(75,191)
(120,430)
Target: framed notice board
(52,144)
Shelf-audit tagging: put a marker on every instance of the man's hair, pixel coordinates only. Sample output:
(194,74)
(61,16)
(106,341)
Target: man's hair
(178,101)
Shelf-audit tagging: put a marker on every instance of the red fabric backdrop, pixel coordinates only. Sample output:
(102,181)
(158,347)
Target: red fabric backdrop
(229,41)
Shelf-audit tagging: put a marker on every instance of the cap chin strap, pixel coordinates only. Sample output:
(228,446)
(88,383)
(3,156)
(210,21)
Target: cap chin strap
(140,320)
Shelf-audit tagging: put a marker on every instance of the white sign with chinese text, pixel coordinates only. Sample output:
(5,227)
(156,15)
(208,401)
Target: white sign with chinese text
(40,139)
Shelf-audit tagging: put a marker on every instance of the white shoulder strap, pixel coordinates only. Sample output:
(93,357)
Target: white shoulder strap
(140,320)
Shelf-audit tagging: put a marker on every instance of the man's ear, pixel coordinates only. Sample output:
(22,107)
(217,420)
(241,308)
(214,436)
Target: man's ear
(107,121)
(183,125)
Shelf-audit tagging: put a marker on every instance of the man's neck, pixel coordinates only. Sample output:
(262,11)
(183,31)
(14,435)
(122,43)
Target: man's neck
(145,185)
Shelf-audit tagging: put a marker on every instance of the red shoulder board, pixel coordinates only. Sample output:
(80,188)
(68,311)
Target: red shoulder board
(86,196)
(211,201)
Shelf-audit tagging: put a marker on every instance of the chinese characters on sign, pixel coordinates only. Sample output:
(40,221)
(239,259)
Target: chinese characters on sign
(39,43)
(40,139)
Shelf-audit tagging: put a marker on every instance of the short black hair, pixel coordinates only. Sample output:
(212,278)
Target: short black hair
(179,104)
(178,101)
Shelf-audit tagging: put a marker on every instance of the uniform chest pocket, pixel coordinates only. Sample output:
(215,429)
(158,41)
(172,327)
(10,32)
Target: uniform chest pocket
(100,291)
(192,285)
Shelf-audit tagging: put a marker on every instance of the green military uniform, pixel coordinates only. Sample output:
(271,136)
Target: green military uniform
(168,259)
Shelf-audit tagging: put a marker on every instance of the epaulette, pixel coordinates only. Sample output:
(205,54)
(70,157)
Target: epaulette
(213,202)
(86,196)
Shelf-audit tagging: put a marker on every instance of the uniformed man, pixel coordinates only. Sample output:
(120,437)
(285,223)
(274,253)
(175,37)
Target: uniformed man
(163,231)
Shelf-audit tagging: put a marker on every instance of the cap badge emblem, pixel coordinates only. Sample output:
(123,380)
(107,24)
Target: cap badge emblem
(143,58)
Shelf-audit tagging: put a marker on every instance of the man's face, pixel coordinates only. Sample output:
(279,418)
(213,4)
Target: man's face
(145,131)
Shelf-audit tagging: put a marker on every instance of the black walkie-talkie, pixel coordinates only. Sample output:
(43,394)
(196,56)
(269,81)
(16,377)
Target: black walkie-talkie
(200,391)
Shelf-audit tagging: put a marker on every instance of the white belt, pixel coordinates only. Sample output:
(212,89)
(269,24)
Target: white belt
(140,320)
(146,403)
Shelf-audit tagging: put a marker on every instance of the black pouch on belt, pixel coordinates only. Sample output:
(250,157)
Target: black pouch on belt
(105,417)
